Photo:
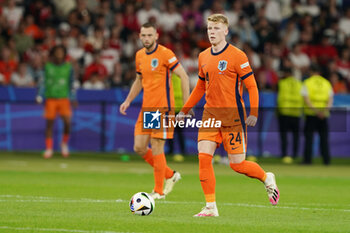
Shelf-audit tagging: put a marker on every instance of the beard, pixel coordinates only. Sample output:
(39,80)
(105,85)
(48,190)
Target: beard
(148,46)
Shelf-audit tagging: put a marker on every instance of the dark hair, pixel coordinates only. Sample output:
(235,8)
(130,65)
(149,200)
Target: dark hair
(315,68)
(53,50)
(149,25)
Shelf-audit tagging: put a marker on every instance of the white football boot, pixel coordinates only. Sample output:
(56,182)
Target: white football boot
(64,150)
(169,183)
(48,153)
(156,195)
(208,212)
(271,188)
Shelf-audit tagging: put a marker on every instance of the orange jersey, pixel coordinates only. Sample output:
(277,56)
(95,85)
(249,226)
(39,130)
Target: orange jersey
(154,68)
(223,73)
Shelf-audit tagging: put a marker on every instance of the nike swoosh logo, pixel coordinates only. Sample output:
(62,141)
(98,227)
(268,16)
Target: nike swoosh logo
(203,65)
(203,180)
(234,148)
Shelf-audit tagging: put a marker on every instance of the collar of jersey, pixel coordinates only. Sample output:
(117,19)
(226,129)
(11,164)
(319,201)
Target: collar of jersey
(153,50)
(212,52)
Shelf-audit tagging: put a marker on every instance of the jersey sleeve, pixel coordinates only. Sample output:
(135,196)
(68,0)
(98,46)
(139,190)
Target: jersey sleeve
(170,59)
(201,74)
(137,63)
(242,66)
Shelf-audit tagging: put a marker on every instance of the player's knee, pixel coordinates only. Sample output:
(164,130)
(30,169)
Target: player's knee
(157,146)
(140,150)
(238,167)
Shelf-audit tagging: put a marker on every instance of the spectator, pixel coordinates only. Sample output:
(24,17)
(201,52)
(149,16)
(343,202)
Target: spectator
(146,12)
(96,67)
(7,64)
(344,23)
(266,76)
(110,58)
(101,24)
(36,68)
(105,10)
(130,21)
(245,32)
(339,86)
(325,51)
(190,65)
(94,83)
(170,18)
(300,61)
(81,53)
(310,8)
(22,77)
(13,14)
(253,57)
(22,40)
(96,39)
(193,12)
(32,29)
(343,64)
(273,11)
(290,35)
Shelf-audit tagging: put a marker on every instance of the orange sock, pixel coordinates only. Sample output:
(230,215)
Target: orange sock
(207,176)
(148,157)
(65,138)
(250,169)
(159,172)
(49,143)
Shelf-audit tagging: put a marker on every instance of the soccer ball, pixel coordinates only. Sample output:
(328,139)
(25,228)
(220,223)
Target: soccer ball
(141,204)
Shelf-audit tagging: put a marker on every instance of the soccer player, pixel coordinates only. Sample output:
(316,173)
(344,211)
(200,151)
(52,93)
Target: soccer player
(154,63)
(57,89)
(222,70)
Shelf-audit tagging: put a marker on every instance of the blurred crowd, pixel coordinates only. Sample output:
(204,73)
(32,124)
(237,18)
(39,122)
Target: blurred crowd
(101,37)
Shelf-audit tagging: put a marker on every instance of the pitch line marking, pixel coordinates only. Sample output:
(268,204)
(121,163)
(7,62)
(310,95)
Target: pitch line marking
(88,200)
(56,230)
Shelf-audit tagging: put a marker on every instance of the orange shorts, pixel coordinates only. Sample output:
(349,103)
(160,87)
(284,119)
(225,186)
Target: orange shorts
(60,106)
(233,138)
(162,133)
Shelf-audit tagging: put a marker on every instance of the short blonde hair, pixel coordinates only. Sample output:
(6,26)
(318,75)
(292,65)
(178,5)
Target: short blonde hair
(218,18)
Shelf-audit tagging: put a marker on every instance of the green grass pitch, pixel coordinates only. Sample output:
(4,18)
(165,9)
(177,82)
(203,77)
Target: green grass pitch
(90,193)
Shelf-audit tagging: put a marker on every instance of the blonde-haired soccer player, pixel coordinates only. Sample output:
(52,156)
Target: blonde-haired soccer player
(154,63)
(222,70)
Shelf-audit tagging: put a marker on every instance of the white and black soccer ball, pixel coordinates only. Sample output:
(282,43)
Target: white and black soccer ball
(141,204)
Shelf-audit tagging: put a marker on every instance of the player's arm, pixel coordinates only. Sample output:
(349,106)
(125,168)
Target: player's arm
(252,88)
(308,103)
(133,93)
(185,86)
(195,96)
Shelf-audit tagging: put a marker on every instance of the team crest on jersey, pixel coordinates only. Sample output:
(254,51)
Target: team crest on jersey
(222,65)
(154,63)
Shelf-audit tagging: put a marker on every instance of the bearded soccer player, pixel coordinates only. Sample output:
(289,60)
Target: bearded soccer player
(222,70)
(154,64)
(57,88)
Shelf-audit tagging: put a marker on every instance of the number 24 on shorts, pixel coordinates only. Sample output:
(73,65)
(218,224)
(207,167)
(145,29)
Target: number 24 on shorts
(233,140)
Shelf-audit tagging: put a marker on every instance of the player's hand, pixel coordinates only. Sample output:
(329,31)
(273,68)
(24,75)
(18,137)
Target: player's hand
(180,116)
(321,115)
(123,107)
(251,120)
(39,99)
(191,112)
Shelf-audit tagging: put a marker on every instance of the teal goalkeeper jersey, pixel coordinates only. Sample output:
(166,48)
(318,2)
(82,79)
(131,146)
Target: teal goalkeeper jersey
(58,80)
